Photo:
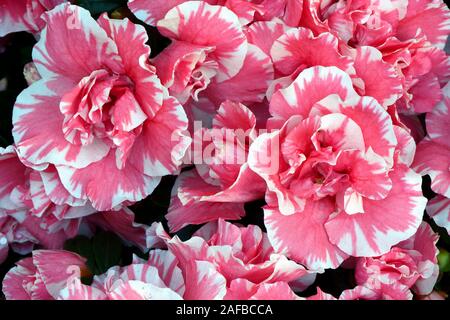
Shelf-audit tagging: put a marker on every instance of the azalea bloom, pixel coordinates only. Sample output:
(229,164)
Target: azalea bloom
(209,56)
(104,107)
(35,209)
(242,255)
(222,181)
(317,167)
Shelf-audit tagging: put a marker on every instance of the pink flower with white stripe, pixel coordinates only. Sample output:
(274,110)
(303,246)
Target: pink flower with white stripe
(243,255)
(433,159)
(24,15)
(159,278)
(35,209)
(222,181)
(209,56)
(410,264)
(44,275)
(99,111)
(327,144)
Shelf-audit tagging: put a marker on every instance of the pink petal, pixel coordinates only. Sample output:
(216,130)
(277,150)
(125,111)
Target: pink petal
(381,80)
(131,40)
(275,291)
(168,269)
(73,45)
(78,291)
(264,33)
(434,159)
(298,48)
(13,174)
(374,122)
(384,222)
(198,212)
(154,156)
(152,11)
(105,185)
(307,227)
(311,86)
(56,267)
(242,87)
(439,209)
(438,120)
(430,17)
(195,272)
(15,281)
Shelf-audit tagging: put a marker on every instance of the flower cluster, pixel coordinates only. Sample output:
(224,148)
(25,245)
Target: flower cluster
(324,115)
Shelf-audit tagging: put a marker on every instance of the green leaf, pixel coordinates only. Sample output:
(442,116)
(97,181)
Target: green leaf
(107,249)
(444,260)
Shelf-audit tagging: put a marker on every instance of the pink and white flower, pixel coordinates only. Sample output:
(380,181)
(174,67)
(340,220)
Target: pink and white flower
(159,278)
(242,255)
(222,180)
(99,111)
(328,143)
(209,56)
(35,209)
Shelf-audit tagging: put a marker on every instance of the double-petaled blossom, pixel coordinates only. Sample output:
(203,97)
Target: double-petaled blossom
(337,172)
(210,58)
(99,114)
(433,158)
(242,255)
(35,209)
(222,181)
(24,15)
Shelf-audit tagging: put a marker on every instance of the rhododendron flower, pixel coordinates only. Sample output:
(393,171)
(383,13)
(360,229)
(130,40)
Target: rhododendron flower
(243,255)
(433,158)
(159,278)
(44,275)
(36,209)
(24,15)
(317,167)
(222,181)
(209,56)
(99,111)
(410,264)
